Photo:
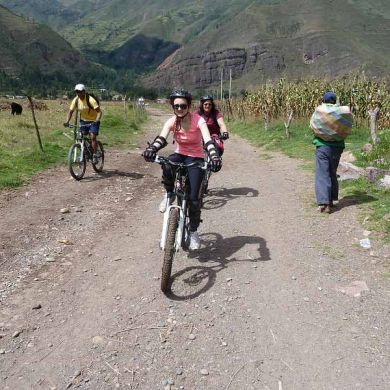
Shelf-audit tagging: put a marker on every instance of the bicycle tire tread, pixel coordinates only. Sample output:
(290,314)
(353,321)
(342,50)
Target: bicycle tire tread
(70,166)
(99,167)
(169,251)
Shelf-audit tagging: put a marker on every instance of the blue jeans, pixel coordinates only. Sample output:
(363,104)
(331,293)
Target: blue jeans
(326,184)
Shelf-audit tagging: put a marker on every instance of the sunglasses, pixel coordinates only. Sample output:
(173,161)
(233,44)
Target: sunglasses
(181,106)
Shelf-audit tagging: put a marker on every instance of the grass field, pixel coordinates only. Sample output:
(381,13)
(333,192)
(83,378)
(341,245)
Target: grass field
(374,202)
(20,155)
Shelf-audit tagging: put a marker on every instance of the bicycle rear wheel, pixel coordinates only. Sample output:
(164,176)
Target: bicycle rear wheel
(98,166)
(169,251)
(76,162)
(204,187)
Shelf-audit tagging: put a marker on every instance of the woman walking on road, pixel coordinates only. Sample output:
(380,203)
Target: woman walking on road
(189,131)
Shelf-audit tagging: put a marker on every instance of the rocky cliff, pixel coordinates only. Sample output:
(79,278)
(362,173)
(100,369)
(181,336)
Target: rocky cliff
(203,70)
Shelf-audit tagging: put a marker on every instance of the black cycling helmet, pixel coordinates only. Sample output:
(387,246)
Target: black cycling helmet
(206,97)
(180,93)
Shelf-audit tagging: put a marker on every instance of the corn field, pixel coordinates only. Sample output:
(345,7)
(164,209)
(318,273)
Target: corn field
(276,101)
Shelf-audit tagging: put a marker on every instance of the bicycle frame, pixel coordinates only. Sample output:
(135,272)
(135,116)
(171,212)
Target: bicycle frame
(83,140)
(81,152)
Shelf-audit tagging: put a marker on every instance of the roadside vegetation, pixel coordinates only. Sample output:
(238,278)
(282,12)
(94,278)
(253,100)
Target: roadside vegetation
(20,154)
(260,118)
(276,100)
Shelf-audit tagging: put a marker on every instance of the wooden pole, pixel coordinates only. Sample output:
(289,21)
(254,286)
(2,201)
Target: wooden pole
(221,84)
(125,107)
(230,108)
(265,120)
(230,83)
(373,117)
(287,124)
(35,123)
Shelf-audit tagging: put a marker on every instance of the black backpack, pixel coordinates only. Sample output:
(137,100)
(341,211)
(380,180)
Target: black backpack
(87,95)
(94,96)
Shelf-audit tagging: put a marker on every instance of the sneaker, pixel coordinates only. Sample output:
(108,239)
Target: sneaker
(164,203)
(194,241)
(324,208)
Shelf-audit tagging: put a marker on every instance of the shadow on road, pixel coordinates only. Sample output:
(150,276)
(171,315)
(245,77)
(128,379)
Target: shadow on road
(357,197)
(218,197)
(219,252)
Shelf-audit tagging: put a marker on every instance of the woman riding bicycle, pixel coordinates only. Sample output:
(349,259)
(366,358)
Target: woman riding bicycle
(214,121)
(189,130)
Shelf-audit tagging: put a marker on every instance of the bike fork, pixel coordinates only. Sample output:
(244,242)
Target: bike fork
(81,157)
(164,231)
(180,229)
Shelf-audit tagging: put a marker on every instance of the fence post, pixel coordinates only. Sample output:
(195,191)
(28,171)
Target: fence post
(287,124)
(230,108)
(35,123)
(125,107)
(373,117)
(266,120)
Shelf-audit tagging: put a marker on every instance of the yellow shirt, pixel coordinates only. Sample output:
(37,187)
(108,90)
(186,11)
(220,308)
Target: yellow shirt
(86,114)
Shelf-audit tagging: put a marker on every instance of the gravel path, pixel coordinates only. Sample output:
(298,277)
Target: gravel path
(278,298)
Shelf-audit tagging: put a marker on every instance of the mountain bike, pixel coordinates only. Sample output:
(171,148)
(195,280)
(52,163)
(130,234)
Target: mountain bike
(81,152)
(175,231)
(205,182)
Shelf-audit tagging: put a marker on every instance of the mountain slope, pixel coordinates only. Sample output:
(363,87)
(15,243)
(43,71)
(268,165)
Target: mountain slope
(30,48)
(138,53)
(55,13)
(256,40)
(295,38)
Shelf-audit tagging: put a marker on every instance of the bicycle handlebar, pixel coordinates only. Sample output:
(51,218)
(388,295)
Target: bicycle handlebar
(69,125)
(219,136)
(163,160)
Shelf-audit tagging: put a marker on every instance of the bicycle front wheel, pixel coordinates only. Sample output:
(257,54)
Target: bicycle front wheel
(98,166)
(169,251)
(76,162)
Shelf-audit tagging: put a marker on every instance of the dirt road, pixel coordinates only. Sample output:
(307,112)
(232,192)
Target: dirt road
(279,297)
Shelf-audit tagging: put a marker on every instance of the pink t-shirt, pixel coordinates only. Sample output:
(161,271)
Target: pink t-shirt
(189,142)
(212,124)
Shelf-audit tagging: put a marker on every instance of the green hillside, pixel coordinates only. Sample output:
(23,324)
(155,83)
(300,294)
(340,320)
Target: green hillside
(139,53)
(256,40)
(33,54)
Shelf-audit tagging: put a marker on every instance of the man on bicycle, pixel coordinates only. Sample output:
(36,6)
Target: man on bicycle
(90,114)
(189,130)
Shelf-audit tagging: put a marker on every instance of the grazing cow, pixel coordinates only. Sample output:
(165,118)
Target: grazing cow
(16,108)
